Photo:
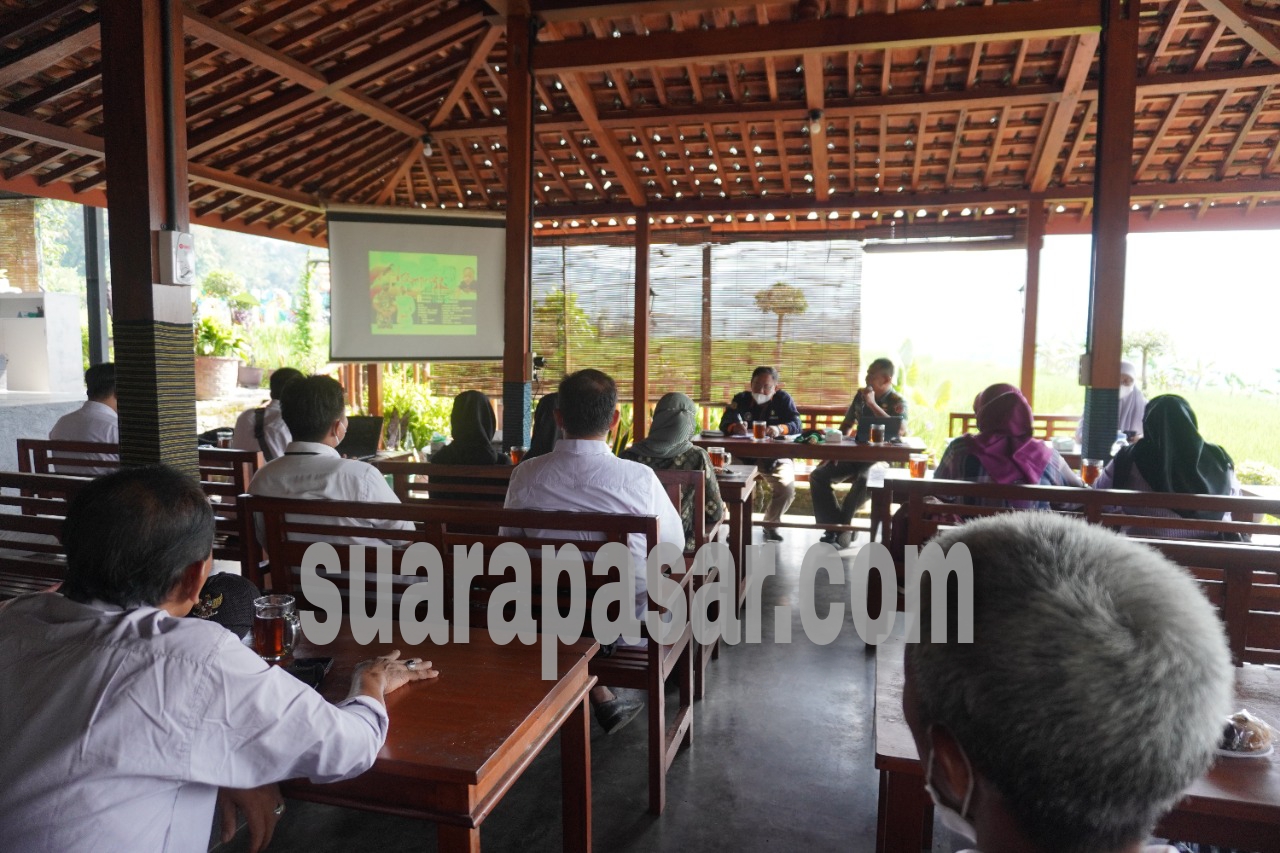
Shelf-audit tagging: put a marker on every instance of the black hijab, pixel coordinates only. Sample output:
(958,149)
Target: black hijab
(473,425)
(1172,456)
(545,430)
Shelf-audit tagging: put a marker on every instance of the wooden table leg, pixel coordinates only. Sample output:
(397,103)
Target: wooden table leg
(905,820)
(457,839)
(575,778)
(738,550)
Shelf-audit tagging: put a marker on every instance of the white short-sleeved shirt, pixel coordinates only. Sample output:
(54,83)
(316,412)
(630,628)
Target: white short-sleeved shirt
(119,726)
(93,421)
(274,432)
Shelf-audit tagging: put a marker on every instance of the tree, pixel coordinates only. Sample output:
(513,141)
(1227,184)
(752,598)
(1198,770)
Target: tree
(1149,343)
(781,299)
(560,323)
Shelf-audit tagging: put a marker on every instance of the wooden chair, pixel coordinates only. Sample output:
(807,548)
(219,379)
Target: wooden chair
(48,456)
(676,482)
(291,526)
(31,556)
(224,476)
(479,485)
(1042,426)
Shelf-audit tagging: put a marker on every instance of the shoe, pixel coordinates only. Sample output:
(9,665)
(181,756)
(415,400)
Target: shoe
(771,535)
(830,537)
(617,712)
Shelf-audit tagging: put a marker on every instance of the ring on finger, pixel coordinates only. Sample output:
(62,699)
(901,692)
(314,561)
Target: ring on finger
(412,663)
(279,808)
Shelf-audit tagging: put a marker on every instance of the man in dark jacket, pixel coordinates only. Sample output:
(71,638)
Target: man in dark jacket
(765,402)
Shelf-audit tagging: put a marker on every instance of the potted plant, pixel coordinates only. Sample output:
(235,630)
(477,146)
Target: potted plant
(219,349)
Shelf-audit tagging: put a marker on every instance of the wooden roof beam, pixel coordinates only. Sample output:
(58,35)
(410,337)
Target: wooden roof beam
(41,54)
(582,10)
(1169,118)
(584,102)
(410,157)
(1189,158)
(1241,137)
(1073,156)
(17,25)
(248,186)
(50,134)
(1044,19)
(1236,15)
(479,54)
(1041,170)
(815,95)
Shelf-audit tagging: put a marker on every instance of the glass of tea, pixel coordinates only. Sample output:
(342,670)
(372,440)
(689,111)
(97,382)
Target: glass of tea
(275,627)
(517,453)
(758,430)
(918,464)
(877,434)
(717,456)
(1090,470)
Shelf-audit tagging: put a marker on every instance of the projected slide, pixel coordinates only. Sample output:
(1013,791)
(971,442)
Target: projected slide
(422,294)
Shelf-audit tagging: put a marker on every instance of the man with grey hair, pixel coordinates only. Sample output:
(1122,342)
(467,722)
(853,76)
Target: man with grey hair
(1092,695)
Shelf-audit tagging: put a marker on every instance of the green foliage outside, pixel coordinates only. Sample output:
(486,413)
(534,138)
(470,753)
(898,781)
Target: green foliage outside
(429,412)
(782,300)
(213,338)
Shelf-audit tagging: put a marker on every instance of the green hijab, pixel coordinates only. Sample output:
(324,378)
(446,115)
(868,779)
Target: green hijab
(1173,457)
(675,421)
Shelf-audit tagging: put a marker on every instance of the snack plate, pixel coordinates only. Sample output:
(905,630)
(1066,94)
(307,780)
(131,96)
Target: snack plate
(1229,753)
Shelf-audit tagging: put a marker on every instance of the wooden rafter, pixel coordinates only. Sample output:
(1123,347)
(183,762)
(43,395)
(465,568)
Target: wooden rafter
(1209,46)
(1044,19)
(956,146)
(583,100)
(783,159)
(1236,15)
(431,179)
(1166,34)
(1243,134)
(814,92)
(19,25)
(1063,112)
(49,50)
(1188,159)
(995,147)
(480,51)
(410,157)
(1169,118)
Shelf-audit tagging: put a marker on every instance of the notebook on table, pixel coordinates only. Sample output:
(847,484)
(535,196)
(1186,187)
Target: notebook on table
(364,432)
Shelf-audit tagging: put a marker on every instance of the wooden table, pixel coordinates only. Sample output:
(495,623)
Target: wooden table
(1236,804)
(459,742)
(845,451)
(737,486)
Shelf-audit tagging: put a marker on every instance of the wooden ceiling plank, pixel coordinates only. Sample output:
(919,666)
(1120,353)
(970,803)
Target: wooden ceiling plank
(495,79)
(263,212)
(480,51)
(1273,163)
(583,100)
(731,81)
(33,58)
(1189,158)
(1254,114)
(19,25)
(955,149)
(318,159)
(410,157)
(930,66)
(659,85)
(453,174)
(655,164)
(1073,156)
(865,32)
(1261,37)
(995,147)
(1207,49)
(784,164)
(50,134)
(33,162)
(621,89)
(249,204)
(975,66)
(882,141)
(583,10)
(1015,76)
(749,155)
(475,172)
(886,71)
(69,168)
(588,165)
(771,78)
(65,85)
(815,99)
(286,104)
(432,34)
(431,179)
(1041,170)
(217,204)
(1169,118)
(249,186)
(556,169)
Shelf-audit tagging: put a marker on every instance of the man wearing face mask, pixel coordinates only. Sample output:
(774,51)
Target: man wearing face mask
(1083,748)
(765,402)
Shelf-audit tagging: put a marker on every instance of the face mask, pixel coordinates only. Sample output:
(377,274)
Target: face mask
(952,819)
(761,399)
(1126,390)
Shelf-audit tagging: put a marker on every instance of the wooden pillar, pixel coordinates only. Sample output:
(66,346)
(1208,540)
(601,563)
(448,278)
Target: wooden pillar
(640,385)
(705,386)
(146,162)
(1031,298)
(373,381)
(1113,174)
(95,268)
(517,388)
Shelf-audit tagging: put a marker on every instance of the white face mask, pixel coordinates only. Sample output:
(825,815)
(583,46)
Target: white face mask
(952,819)
(761,399)
(1126,390)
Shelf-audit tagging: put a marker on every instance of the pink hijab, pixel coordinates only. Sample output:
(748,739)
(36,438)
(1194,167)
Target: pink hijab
(1004,445)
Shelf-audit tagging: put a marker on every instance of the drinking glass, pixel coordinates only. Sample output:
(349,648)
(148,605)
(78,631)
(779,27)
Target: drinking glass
(758,430)
(275,627)
(717,456)
(877,433)
(517,454)
(1090,470)
(918,463)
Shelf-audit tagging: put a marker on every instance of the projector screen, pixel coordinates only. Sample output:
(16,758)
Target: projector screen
(415,288)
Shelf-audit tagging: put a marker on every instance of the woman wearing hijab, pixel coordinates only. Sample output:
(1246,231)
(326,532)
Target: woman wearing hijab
(1132,404)
(1171,457)
(472,424)
(545,431)
(668,446)
(1004,449)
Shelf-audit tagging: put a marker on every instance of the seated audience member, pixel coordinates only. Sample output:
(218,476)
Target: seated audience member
(582,474)
(121,719)
(472,425)
(667,447)
(1004,450)
(96,420)
(263,429)
(1092,695)
(877,400)
(1171,457)
(315,413)
(1132,405)
(545,429)
(766,402)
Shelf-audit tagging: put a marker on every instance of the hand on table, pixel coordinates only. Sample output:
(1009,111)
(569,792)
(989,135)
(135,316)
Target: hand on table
(262,808)
(773,431)
(388,673)
(737,429)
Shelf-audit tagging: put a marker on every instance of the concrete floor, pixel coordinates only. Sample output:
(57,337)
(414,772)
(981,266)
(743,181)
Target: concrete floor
(782,760)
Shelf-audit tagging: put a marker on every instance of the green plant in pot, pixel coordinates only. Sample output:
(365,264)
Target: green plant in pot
(219,349)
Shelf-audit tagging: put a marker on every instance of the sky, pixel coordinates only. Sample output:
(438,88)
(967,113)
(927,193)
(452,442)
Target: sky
(1217,294)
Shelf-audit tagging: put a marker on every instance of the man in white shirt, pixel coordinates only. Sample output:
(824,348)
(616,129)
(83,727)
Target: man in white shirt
(263,429)
(96,421)
(581,473)
(314,410)
(1092,692)
(121,720)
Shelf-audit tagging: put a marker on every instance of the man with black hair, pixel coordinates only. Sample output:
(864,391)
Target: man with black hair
(96,420)
(121,720)
(581,473)
(263,428)
(767,403)
(314,410)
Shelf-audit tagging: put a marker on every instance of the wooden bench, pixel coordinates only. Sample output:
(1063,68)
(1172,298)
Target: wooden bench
(481,485)
(32,509)
(291,526)
(1042,426)
(47,456)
